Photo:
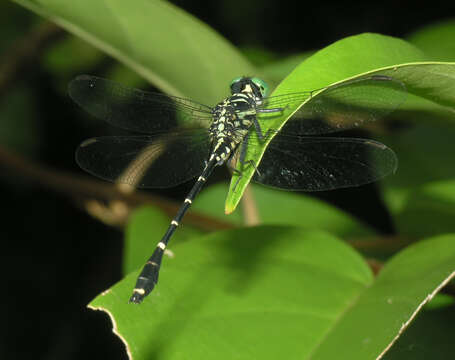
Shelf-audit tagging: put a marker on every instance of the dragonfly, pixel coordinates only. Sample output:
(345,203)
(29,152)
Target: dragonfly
(178,139)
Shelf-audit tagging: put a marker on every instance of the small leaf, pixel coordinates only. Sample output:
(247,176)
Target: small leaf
(436,40)
(428,210)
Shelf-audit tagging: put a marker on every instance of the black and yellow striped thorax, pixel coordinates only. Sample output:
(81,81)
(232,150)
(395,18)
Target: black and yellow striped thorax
(232,119)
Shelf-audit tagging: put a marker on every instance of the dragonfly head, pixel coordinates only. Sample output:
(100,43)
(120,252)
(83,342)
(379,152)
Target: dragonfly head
(252,85)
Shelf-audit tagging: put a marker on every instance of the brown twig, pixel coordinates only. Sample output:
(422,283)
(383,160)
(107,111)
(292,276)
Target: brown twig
(249,208)
(375,265)
(384,243)
(78,186)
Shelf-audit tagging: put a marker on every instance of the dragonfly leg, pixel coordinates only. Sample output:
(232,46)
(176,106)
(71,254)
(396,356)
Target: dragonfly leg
(241,159)
(258,129)
(265,111)
(240,173)
(230,164)
(243,149)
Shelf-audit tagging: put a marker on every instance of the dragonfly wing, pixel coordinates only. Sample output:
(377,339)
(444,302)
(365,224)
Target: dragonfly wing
(338,107)
(318,164)
(134,109)
(156,161)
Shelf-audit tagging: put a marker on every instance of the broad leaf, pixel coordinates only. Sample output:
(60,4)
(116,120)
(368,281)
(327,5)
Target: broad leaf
(276,292)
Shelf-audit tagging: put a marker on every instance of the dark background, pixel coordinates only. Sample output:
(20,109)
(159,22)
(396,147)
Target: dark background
(55,258)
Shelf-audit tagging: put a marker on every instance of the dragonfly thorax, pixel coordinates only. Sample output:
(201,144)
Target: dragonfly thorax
(231,120)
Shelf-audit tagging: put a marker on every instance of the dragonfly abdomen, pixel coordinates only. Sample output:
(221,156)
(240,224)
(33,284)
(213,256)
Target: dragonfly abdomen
(148,277)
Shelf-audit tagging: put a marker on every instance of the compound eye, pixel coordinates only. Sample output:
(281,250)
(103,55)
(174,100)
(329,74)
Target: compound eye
(261,85)
(236,80)
(236,85)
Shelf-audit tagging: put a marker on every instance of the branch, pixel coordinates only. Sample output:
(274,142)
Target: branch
(75,186)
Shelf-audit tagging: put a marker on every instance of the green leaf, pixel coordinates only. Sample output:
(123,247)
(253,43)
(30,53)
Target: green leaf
(429,337)
(57,62)
(344,60)
(276,292)
(441,300)
(424,153)
(427,211)
(436,40)
(276,207)
(169,47)
(420,195)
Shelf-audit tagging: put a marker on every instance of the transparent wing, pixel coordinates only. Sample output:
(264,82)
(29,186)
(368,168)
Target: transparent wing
(136,110)
(159,161)
(338,107)
(317,164)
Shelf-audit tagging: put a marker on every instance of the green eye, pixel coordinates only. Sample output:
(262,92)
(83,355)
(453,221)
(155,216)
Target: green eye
(237,79)
(261,84)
